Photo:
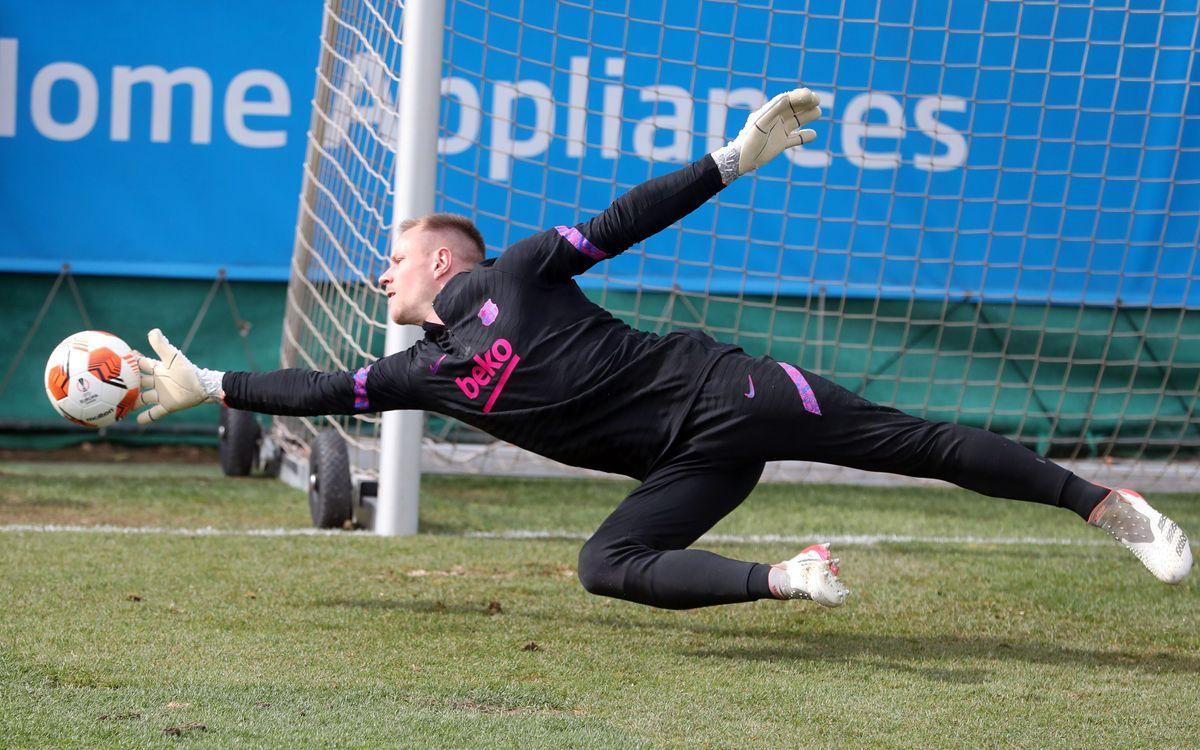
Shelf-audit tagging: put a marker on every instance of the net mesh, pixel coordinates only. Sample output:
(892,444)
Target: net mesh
(335,314)
(998,225)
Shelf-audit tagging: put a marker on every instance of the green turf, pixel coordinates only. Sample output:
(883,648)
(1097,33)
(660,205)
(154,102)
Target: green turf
(442,641)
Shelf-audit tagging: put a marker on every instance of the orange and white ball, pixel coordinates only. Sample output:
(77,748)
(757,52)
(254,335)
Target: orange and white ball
(92,378)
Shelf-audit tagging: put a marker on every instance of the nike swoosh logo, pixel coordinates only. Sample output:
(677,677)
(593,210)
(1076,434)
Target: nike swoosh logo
(434,367)
(749,393)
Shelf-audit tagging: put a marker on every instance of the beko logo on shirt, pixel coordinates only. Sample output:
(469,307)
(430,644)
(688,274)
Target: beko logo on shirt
(487,370)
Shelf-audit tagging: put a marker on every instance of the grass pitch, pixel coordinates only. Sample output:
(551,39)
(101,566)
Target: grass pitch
(442,640)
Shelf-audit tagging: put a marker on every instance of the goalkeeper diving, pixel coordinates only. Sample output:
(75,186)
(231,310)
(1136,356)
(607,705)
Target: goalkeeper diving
(514,347)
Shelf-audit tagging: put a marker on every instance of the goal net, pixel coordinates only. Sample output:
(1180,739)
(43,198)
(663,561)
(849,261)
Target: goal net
(997,226)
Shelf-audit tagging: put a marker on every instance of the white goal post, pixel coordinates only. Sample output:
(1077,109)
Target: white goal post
(417,136)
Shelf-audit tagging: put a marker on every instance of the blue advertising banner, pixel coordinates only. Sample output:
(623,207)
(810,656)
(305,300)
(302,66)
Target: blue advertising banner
(149,138)
(1028,151)
(1040,152)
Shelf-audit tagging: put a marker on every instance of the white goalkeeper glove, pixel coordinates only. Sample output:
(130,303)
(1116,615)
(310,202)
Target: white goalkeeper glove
(172,383)
(770,130)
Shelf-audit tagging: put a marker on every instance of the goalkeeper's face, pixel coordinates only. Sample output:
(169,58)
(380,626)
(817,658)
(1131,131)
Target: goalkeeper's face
(420,266)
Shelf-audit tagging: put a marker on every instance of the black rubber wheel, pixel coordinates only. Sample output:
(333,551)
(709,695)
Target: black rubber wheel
(330,490)
(240,435)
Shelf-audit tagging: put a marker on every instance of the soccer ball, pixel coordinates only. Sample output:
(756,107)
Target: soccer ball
(92,378)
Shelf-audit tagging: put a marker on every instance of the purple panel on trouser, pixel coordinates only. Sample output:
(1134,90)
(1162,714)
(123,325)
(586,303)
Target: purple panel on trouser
(807,397)
(360,389)
(581,243)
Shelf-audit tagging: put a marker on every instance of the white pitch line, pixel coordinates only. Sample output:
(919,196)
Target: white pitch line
(564,535)
(844,539)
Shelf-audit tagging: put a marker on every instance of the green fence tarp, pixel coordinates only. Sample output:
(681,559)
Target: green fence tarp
(128,307)
(1064,380)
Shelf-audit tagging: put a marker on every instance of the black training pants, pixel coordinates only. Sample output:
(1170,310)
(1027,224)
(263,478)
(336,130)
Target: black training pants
(752,410)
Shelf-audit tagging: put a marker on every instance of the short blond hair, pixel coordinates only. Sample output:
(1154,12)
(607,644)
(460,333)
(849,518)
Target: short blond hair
(454,223)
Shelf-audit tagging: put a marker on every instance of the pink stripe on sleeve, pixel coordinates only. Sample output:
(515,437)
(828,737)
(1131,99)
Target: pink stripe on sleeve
(361,402)
(581,243)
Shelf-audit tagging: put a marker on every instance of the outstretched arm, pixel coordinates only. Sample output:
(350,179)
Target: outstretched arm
(648,209)
(657,204)
(557,254)
(172,383)
(292,392)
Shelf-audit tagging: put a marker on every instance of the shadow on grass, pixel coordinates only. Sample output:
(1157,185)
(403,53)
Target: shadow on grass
(419,606)
(441,528)
(898,653)
(17,503)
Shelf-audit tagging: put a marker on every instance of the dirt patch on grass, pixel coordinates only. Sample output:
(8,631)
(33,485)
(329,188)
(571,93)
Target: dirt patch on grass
(489,708)
(507,700)
(34,503)
(191,726)
(118,453)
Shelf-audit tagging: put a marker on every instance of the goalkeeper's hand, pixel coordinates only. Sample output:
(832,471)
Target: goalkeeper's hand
(770,129)
(172,383)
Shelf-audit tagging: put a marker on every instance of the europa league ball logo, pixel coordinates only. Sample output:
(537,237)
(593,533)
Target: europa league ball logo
(82,384)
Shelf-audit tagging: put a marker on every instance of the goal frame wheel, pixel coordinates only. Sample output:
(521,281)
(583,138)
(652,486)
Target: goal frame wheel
(238,439)
(330,486)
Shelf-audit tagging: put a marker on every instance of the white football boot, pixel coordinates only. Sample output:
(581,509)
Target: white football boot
(812,574)
(1152,537)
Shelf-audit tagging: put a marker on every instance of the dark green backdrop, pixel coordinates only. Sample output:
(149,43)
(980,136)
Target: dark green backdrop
(1066,381)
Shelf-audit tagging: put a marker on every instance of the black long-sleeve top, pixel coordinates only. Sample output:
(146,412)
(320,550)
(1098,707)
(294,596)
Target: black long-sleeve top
(524,355)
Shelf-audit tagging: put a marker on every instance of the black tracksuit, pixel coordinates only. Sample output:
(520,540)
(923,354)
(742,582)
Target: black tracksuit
(526,357)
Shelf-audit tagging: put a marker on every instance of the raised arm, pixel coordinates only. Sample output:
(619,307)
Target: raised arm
(650,208)
(172,383)
(557,254)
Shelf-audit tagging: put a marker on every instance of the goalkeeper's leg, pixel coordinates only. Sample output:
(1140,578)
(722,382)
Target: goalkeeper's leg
(756,408)
(794,414)
(639,553)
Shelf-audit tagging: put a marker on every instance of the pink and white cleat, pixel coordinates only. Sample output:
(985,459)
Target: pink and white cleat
(1152,537)
(812,574)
